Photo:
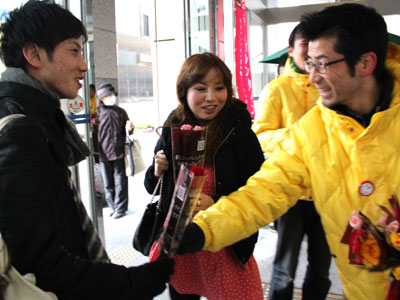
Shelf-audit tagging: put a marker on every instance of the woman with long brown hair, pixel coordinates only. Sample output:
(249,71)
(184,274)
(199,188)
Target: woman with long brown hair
(233,153)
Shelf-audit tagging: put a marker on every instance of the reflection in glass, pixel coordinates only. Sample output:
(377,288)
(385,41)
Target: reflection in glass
(135,76)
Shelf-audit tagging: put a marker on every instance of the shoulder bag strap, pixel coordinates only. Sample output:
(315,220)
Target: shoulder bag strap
(7,119)
(158,186)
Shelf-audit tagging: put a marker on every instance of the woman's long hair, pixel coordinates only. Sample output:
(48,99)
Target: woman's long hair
(194,69)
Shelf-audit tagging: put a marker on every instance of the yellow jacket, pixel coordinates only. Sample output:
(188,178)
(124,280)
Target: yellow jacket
(93,104)
(282,102)
(332,154)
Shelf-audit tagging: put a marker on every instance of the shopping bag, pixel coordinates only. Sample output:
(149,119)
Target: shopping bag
(134,162)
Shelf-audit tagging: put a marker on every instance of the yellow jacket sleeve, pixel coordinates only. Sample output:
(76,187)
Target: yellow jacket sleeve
(268,194)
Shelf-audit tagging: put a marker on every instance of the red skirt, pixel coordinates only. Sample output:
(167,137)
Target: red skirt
(216,276)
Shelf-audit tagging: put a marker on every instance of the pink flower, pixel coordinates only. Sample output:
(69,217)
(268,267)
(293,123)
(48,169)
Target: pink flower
(392,227)
(186,127)
(197,128)
(355,220)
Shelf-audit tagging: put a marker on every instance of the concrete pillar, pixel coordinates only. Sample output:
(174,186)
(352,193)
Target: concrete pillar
(104,42)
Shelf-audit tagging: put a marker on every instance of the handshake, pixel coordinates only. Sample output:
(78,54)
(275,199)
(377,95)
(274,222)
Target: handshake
(161,269)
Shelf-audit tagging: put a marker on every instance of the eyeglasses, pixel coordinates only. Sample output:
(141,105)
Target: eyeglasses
(320,67)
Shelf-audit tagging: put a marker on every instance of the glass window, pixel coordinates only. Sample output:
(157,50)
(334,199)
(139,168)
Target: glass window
(135,76)
(146,31)
(256,46)
(200,24)
(278,39)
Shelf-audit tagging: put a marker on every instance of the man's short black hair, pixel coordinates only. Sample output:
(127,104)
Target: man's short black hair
(359,29)
(39,22)
(297,32)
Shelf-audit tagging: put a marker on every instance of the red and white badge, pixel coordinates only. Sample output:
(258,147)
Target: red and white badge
(366,188)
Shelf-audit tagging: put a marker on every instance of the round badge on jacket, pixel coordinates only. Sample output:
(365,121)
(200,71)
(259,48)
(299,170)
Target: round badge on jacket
(366,188)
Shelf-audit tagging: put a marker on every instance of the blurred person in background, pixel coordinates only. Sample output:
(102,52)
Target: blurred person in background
(113,125)
(283,102)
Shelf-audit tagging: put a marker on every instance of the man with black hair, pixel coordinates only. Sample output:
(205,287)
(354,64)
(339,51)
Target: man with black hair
(345,149)
(41,215)
(282,102)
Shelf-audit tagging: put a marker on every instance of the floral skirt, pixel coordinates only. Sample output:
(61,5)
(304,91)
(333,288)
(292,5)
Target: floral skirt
(216,276)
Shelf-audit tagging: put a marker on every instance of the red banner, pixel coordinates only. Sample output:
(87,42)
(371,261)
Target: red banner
(242,58)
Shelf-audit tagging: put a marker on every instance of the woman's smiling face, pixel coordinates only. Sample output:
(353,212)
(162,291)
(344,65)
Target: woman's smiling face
(207,97)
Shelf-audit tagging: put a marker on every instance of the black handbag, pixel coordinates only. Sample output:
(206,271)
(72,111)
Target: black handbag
(150,224)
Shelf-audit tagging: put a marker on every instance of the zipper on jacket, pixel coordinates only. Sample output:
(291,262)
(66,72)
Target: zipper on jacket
(241,263)
(215,153)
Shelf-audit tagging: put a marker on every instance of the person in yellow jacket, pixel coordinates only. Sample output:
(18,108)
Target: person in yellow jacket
(94,121)
(346,148)
(93,100)
(282,102)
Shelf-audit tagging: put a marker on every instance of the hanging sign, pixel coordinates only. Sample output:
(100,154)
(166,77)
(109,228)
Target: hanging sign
(242,58)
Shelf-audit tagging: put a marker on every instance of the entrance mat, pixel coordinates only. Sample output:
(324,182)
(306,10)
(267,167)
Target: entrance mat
(297,293)
(124,255)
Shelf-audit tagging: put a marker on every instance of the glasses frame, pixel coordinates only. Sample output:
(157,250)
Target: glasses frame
(310,65)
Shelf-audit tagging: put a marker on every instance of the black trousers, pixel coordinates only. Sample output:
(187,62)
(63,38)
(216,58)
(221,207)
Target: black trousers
(115,184)
(302,219)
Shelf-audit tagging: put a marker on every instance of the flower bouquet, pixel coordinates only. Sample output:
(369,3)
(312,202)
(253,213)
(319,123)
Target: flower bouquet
(186,193)
(188,146)
(376,246)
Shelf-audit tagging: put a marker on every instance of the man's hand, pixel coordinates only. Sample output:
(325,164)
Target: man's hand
(151,278)
(193,239)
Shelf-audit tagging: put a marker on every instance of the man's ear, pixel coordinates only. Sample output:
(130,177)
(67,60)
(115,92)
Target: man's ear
(33,54)
(367,63)
(290,51)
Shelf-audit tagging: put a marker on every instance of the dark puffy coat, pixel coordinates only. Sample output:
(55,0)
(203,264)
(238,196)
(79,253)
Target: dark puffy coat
(111,134)
(38,217)
(237,158)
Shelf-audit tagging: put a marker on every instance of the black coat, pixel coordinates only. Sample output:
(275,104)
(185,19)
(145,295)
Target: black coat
(38,217)
(111,132)
(236,159)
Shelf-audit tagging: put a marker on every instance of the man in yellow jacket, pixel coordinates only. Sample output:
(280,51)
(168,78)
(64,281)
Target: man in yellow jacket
(345,149)
(282,102)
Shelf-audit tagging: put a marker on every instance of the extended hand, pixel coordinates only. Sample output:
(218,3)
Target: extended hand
(193,239)
(151,278)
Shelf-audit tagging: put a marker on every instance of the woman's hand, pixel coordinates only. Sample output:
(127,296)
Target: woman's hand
(160,163)
(203,203)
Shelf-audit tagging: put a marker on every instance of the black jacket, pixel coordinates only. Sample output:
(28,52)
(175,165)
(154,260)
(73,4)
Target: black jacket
(111,134)
(38,217)
(237,158)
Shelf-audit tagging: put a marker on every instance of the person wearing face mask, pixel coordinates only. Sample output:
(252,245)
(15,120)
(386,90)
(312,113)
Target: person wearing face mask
(113,124)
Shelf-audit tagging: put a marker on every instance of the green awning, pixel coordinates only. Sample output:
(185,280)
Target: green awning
(282,55)
(277,57)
